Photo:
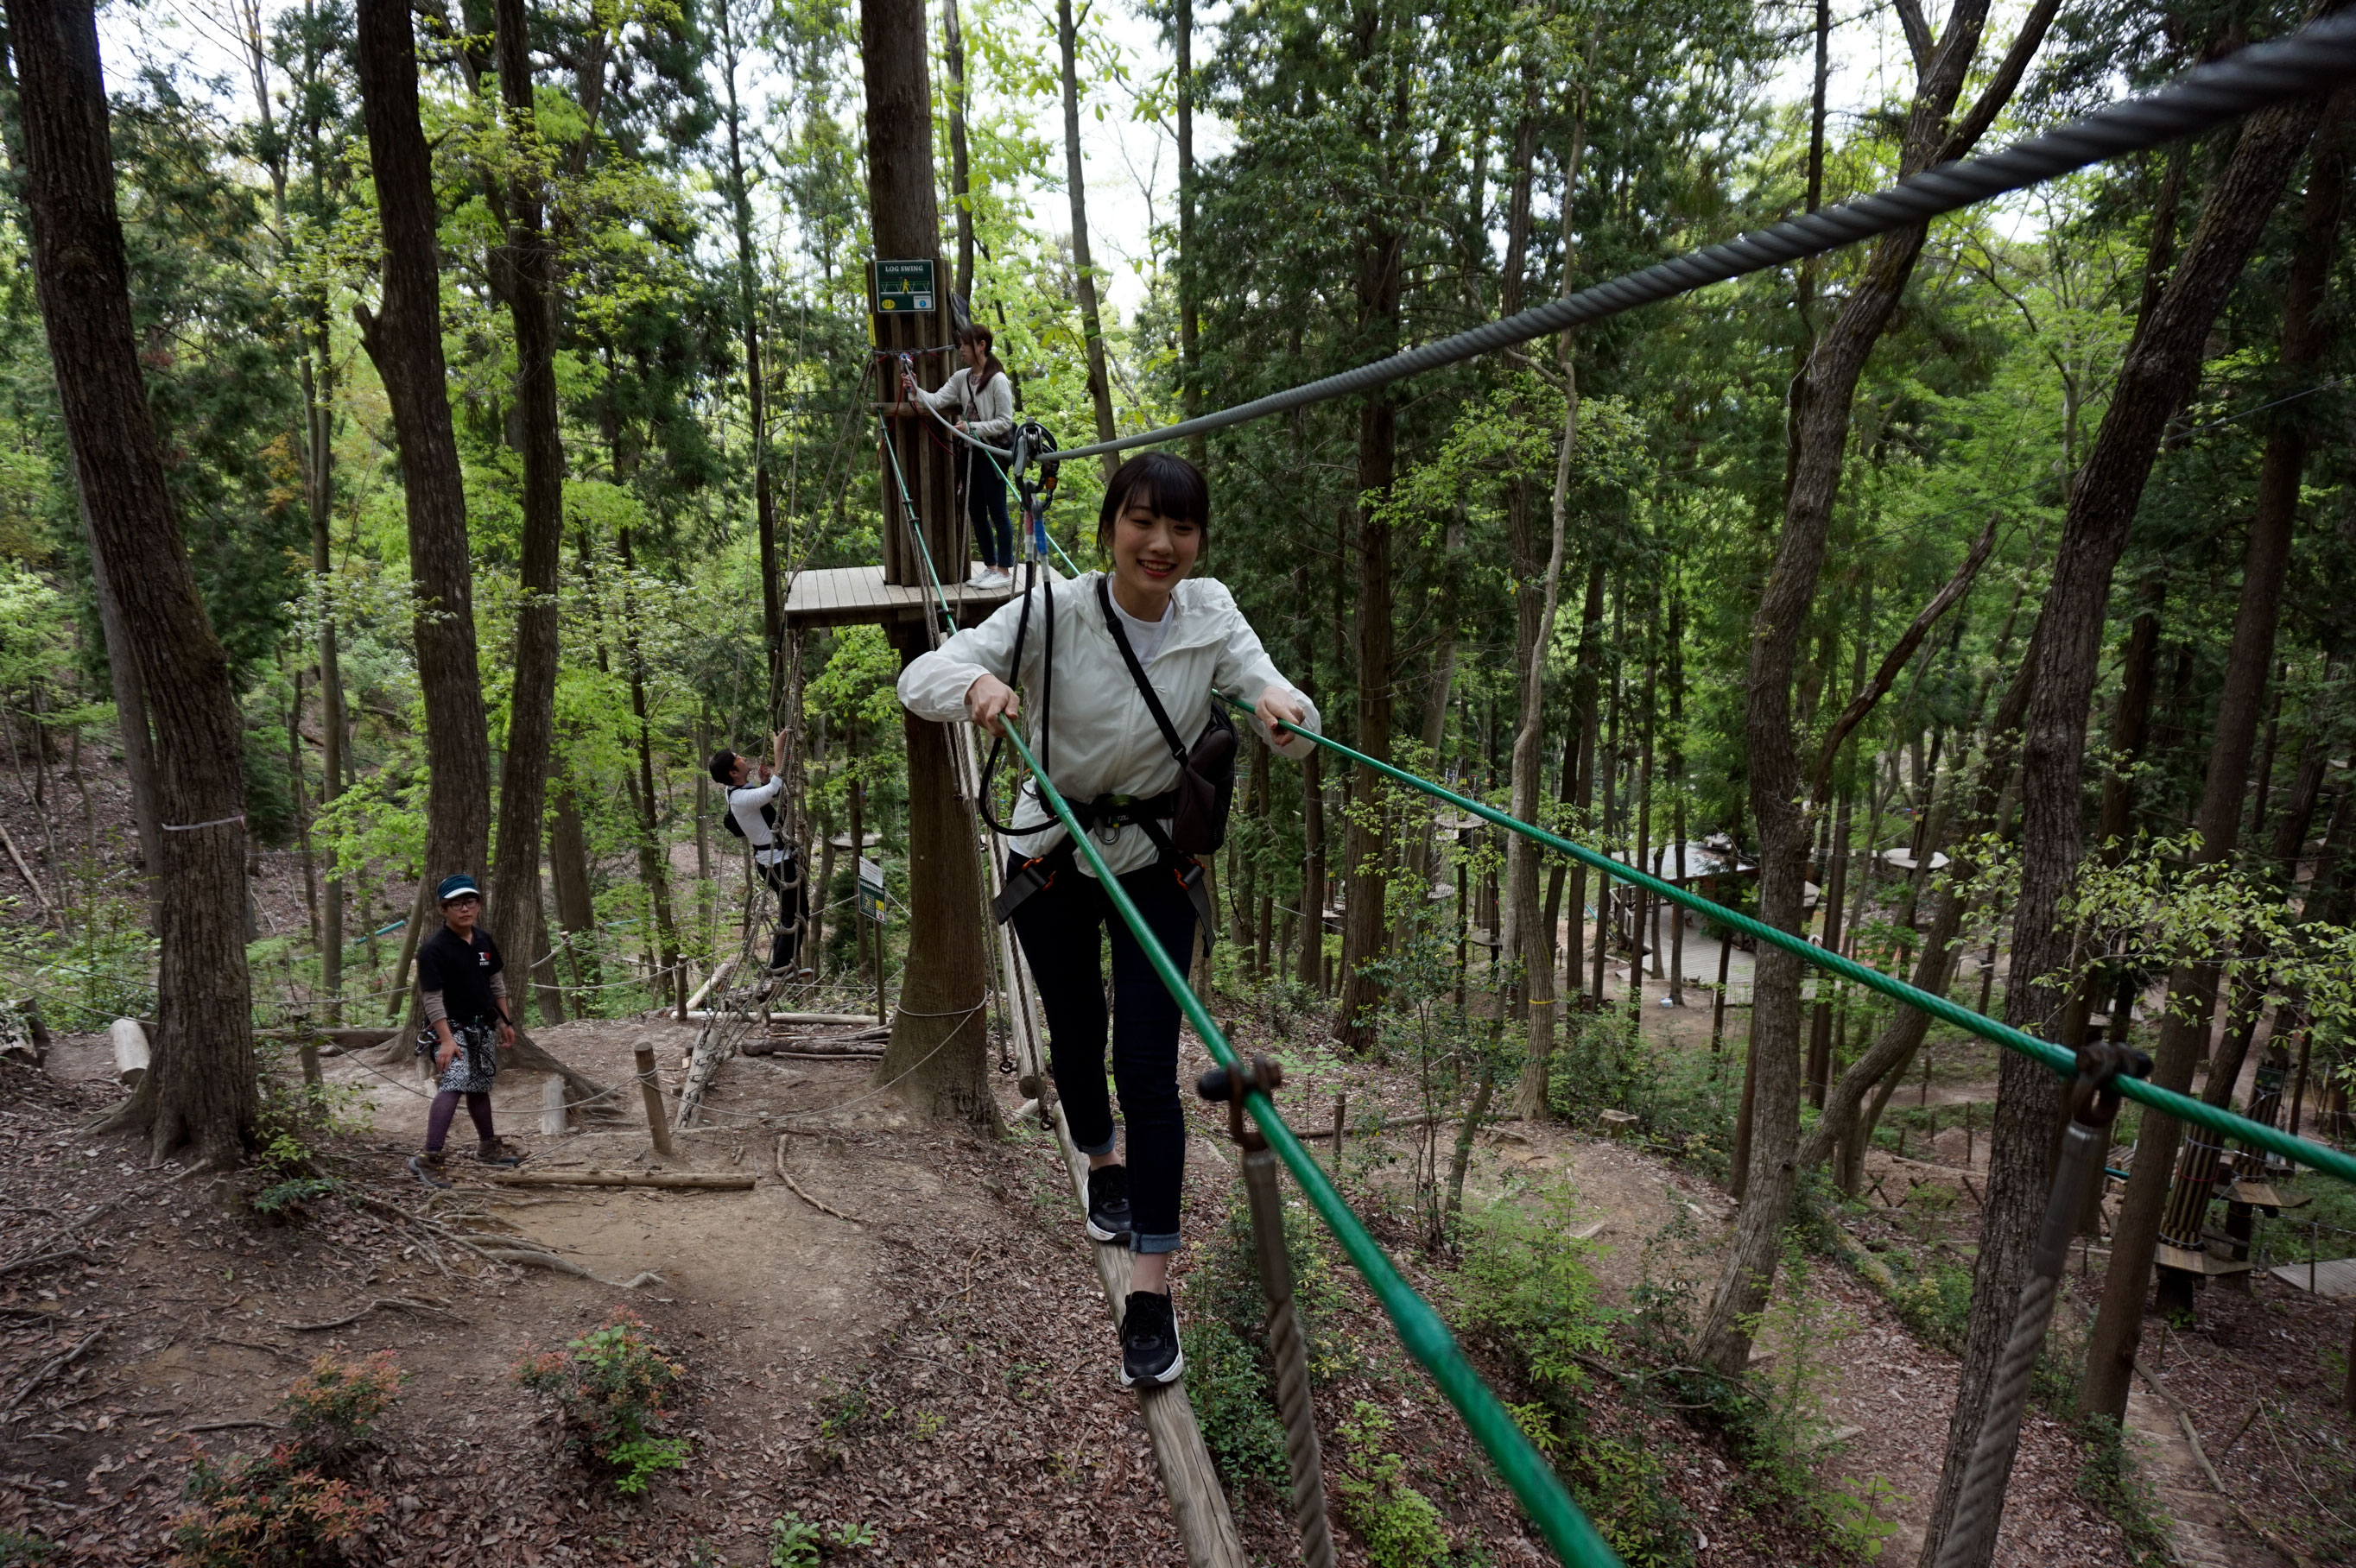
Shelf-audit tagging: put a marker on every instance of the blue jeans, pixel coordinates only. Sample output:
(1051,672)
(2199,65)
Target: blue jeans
(1058,927)
(985,507)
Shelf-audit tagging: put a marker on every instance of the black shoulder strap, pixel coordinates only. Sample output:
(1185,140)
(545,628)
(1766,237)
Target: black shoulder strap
(1137,673)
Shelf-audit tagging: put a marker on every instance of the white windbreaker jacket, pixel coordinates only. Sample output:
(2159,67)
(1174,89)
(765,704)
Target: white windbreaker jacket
(1104,738)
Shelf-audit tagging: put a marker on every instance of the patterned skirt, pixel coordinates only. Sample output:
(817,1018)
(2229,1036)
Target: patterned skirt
(472,1071)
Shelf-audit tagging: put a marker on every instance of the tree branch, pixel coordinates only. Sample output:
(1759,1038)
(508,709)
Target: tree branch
(1862,703)
(1918,32)
(2001,87)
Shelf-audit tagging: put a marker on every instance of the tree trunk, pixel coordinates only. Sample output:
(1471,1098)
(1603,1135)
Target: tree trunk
(960,161)
(940,1051)
(404,337)
(1587,686)
(1190,293)
(528,284)
(1821,398)
(1365,836)
(318,375)
(757,387)
(2158,374)
(1311,972)
(200,1092)
(1083,277)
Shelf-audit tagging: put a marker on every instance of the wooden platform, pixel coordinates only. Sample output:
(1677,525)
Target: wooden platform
(858,596)
(2333,1277)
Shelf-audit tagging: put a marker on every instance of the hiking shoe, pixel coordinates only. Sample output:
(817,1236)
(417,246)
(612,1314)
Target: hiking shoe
(498,1151)
(430,1167)
(1149,1342)
(1108,1203)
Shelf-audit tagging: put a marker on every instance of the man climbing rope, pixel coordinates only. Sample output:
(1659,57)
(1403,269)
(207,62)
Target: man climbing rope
(983,398)
(1116,755)
(463,980)
(751,815)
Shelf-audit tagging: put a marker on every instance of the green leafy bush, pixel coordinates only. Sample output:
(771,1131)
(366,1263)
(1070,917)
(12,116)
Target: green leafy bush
(795,1543)
(609,1387)
(2109,1477)
(18,1548)
(1226,1379)
(272,1512)
(1524,1285)
(1401,1527)
(1625,1489)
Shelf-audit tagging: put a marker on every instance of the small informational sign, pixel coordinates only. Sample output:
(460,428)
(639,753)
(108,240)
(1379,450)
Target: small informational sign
(871,890)
(904,288)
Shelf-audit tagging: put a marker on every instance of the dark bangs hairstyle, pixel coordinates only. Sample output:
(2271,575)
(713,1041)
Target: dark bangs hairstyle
(723,767)
(980,336)
(1164,481)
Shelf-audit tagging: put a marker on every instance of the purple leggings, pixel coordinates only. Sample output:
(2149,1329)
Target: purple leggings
(445,1107)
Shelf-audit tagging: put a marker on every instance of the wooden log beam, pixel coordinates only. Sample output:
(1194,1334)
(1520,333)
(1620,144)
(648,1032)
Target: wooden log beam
(680,1180)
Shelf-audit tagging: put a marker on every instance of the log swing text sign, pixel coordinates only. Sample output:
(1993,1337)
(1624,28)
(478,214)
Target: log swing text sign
(905,288)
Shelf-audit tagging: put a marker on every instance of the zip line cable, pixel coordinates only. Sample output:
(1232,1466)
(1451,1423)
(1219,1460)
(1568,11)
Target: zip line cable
(2062,1063)
(2314,58)
(1421,1331)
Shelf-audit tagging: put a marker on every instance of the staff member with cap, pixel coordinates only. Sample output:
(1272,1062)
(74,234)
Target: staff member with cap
(463,980)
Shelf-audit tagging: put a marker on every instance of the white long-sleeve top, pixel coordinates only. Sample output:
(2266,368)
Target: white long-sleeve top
(987,413)
(744,804)
(1104,738)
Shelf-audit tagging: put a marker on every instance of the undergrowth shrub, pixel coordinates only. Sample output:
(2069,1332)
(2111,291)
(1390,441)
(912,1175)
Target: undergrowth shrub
(794,1542)
(609,1387)
(18,1548)
(1523,1284)
(333,1409)
(1228,1373)
(1401,1527)
(2109,1478)
(289,1508)
(1684,1099)
(271,1512)
(294,1120)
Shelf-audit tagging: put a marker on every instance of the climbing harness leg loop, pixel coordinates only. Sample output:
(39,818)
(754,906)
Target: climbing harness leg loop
(2094,1101)
(1285,1346)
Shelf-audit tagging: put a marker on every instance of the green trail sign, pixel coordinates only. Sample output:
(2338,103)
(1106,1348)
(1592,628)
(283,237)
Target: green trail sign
(904,288)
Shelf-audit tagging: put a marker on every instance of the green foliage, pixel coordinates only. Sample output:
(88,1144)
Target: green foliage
(2110,1478)
(1234,1402)
(1400,1526)
(19,1549)
(1526,1286)
(296,1119)
(1854,1514)
(794,1543)
(272,1512)
(1623,1488)
(610,1387)
(1683,1099)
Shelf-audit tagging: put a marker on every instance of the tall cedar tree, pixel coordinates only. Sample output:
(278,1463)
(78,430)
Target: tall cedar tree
(404,337)
(200,1092)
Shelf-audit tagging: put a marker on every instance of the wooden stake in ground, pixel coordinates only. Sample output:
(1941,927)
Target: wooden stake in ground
(651,1087)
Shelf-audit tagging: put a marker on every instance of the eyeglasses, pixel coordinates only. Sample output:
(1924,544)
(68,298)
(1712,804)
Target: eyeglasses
(463,900)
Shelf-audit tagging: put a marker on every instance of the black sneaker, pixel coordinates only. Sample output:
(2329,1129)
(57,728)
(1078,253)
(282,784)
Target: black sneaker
(1108,1203)
(1149,1342)
(428,1168)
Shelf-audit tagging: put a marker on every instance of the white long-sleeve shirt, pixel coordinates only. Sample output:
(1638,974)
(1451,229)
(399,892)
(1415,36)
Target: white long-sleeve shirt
(745,803)
(1104,740)
(987,413)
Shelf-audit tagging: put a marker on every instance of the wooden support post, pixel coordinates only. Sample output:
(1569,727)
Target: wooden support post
(1341,1110)
(651,1087)
(551,1108)
(307,1053)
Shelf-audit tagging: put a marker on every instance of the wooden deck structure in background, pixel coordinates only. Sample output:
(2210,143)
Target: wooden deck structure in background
(858,595)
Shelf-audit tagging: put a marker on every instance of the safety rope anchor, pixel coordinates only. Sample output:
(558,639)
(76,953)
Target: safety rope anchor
(1285,1346)
(2094,1101)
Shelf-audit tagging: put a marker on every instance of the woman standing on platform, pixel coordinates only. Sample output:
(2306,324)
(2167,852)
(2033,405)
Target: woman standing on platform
(1105,747)
(982,399)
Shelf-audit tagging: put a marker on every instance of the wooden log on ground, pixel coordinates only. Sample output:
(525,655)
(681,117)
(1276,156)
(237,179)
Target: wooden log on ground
(680,1180)
(131,1056)
(718,977)
(804,1045)
(867,1019)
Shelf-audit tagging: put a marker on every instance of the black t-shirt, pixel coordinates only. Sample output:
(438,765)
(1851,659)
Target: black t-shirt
(461,972)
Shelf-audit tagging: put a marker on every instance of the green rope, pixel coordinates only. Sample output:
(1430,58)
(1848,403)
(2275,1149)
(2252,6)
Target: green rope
(1427,1338)
(2062,1063)
(916,531)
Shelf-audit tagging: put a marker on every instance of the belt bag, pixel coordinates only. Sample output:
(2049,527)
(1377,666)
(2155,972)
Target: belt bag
(1206,772)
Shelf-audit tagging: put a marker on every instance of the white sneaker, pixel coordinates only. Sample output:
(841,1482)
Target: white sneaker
(998,577)
(981,576)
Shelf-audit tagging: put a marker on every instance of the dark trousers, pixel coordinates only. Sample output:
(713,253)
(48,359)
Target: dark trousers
(785,880)
(985,508)
(1059,928)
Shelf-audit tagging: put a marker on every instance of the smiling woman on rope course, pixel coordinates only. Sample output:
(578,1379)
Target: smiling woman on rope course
(983,398)
(1153,802)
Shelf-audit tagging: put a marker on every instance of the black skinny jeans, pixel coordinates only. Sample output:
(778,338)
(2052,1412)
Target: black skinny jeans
(1059,928)
(985,507)
(785,879)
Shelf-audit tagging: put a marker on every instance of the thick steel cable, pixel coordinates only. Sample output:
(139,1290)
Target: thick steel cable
(2318,57)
